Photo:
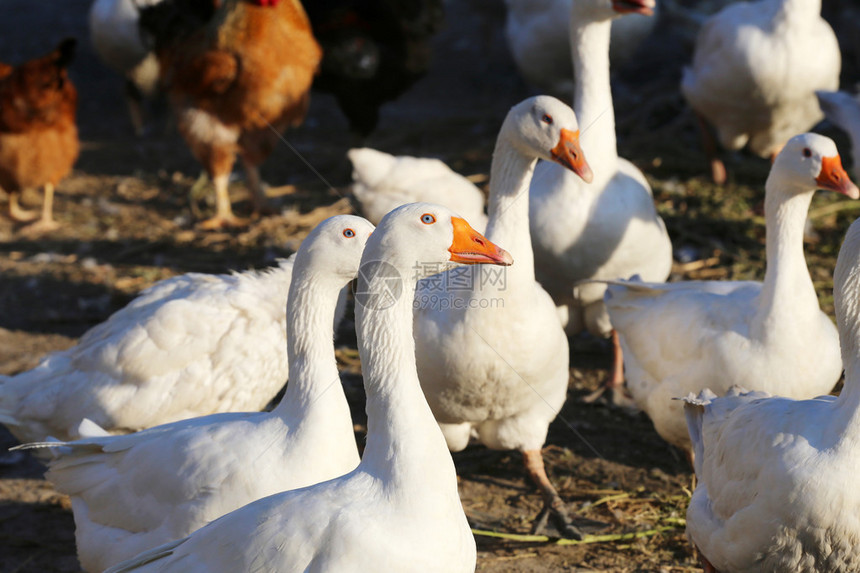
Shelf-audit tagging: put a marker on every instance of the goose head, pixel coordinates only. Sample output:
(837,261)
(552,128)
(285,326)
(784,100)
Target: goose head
(810,161)
(601,10)
(334,247)
(546,128)
(419,237)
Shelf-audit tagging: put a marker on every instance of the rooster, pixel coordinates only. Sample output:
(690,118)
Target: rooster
(237,73)
(38,135)
(374,51)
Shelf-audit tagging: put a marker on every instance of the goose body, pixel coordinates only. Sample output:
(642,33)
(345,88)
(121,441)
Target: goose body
(399,510)
(382,182)
(493,357)
(538,35)
(843,110)
(772,336)
(188,346)
(607,228)
(775,474)
(134,492)
(756,68)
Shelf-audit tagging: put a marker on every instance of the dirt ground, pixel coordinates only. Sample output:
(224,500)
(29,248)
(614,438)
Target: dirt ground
(126,223)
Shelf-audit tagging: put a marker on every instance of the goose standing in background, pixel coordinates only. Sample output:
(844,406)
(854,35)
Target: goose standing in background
(754,74)
(607,228)
(772,336)
(492,356)
(131,493)
(843,110)
(399,510)
(191,345)
(538,35)
(776,476)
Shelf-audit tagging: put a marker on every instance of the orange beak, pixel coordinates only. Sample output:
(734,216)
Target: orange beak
(644,7)
(568,153)
(471,247)
(834,178)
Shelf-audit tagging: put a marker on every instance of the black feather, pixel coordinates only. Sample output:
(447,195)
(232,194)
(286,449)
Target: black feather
(373,51)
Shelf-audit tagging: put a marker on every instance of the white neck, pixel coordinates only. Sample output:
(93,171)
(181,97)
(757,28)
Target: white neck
(405,448)
(508,209)
(847,302)
(314,379)
(592,97)
(788,294)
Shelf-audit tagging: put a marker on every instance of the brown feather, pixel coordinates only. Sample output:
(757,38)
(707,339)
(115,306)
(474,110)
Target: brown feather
(249,67)
(38,135)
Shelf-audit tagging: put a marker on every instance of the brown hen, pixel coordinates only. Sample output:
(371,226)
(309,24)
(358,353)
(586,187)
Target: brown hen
(236,79)
(38,135)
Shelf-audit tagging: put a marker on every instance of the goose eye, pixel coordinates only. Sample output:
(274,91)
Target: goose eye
(547,119)
(428,219)
(348,233)
(807,152)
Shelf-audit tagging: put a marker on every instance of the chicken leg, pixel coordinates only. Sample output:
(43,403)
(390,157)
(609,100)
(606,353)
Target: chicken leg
(134,100)
(46,221)
(18,213)
(259,199)
(224,217)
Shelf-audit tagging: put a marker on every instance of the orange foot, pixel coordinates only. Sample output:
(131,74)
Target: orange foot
(219,222)
(618,397)
(618,394)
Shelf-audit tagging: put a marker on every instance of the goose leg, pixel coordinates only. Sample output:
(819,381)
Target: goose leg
(553,506)
(775,152)
(706,565)
(615,383)
(709,144)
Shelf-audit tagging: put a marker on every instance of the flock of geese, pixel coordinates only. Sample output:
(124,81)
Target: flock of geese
(152,422)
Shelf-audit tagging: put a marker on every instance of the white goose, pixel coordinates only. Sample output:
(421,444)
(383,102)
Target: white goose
(492,356)
(188,346)
(538,35)
(776,476)
(843,110)
(755,71)
(399,510)
(382,182)
(772,336)
(131,493)
(607,228)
